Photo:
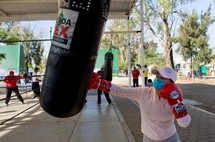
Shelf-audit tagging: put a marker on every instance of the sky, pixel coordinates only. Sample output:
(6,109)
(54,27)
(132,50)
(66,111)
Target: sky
(200,5)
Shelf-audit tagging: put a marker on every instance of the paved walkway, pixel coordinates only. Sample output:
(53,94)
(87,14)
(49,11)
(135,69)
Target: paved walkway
(202,125)
(103,123)
(29,123)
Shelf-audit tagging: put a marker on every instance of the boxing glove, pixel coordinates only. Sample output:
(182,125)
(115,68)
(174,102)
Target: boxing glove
(179,110)
(174,98)
(100,84)
(108,69)
(172,93)
(72,56)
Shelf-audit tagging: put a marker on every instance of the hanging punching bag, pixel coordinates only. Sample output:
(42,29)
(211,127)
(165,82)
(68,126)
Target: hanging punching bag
(72,55)
(108,69)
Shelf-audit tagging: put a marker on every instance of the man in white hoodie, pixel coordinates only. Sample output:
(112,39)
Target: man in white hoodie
(35,83)
(159,105)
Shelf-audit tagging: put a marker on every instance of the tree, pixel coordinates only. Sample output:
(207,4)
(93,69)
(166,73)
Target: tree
(33,50)
(120,42)
(161,19)
(193,38)
(152,57)
(2,56)
(8,32)
(12,33)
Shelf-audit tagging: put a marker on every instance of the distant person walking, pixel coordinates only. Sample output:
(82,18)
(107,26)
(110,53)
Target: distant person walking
(35,83)
(135,74)
(11,85)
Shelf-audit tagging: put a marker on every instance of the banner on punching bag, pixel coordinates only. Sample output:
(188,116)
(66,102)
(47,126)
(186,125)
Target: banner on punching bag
(64,28)
(72,56)
(108,69)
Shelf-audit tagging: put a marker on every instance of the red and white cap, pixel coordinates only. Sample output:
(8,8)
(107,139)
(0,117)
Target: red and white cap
(11,73)
(168,72)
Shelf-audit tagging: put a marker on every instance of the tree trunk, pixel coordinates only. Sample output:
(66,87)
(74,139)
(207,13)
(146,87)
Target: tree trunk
(171,58)
(167,44)
(167,51)
(167,54)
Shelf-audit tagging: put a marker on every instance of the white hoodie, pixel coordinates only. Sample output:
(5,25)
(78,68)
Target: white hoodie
(157,119)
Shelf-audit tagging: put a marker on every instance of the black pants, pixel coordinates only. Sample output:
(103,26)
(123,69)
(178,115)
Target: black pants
(146,80)
(135,83)
(36,89)
(106,96)
(9,92)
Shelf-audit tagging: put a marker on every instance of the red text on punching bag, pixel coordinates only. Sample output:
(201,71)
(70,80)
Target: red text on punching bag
(64,28)
(61,31)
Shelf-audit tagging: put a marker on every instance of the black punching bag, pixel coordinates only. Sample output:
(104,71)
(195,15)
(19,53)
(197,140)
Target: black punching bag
(108,69)
(72,56)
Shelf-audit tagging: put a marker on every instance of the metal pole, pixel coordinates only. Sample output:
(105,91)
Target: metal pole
(192,66)
(129,56)
(58,3)
(121,32)
(50,30)
(142,39)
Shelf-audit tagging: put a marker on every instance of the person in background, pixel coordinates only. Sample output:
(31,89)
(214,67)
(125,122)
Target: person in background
(36,83)
(99,92)
(150,83)
(135,74)
(11,85)
(145,72)
(159,105)
(30,77)
(23,80)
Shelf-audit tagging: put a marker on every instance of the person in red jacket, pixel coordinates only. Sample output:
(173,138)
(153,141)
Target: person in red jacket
(11,85)
(135,74)
(101,74)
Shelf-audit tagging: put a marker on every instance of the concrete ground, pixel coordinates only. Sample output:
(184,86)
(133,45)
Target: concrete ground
(199,96)
(29,122)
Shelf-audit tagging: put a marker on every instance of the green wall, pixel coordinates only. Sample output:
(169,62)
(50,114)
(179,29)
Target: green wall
(100,60)
(14,59)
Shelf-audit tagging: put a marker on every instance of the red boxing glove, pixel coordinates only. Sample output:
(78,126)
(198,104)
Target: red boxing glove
(100,84)
(93,82)
(172,93)
(174,97)
(179,110)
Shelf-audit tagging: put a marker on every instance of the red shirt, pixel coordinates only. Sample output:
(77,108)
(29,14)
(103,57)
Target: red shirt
(135,73)
(11,81)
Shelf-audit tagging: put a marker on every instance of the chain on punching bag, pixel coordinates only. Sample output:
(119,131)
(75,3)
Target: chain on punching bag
(72,56)
(108,69)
